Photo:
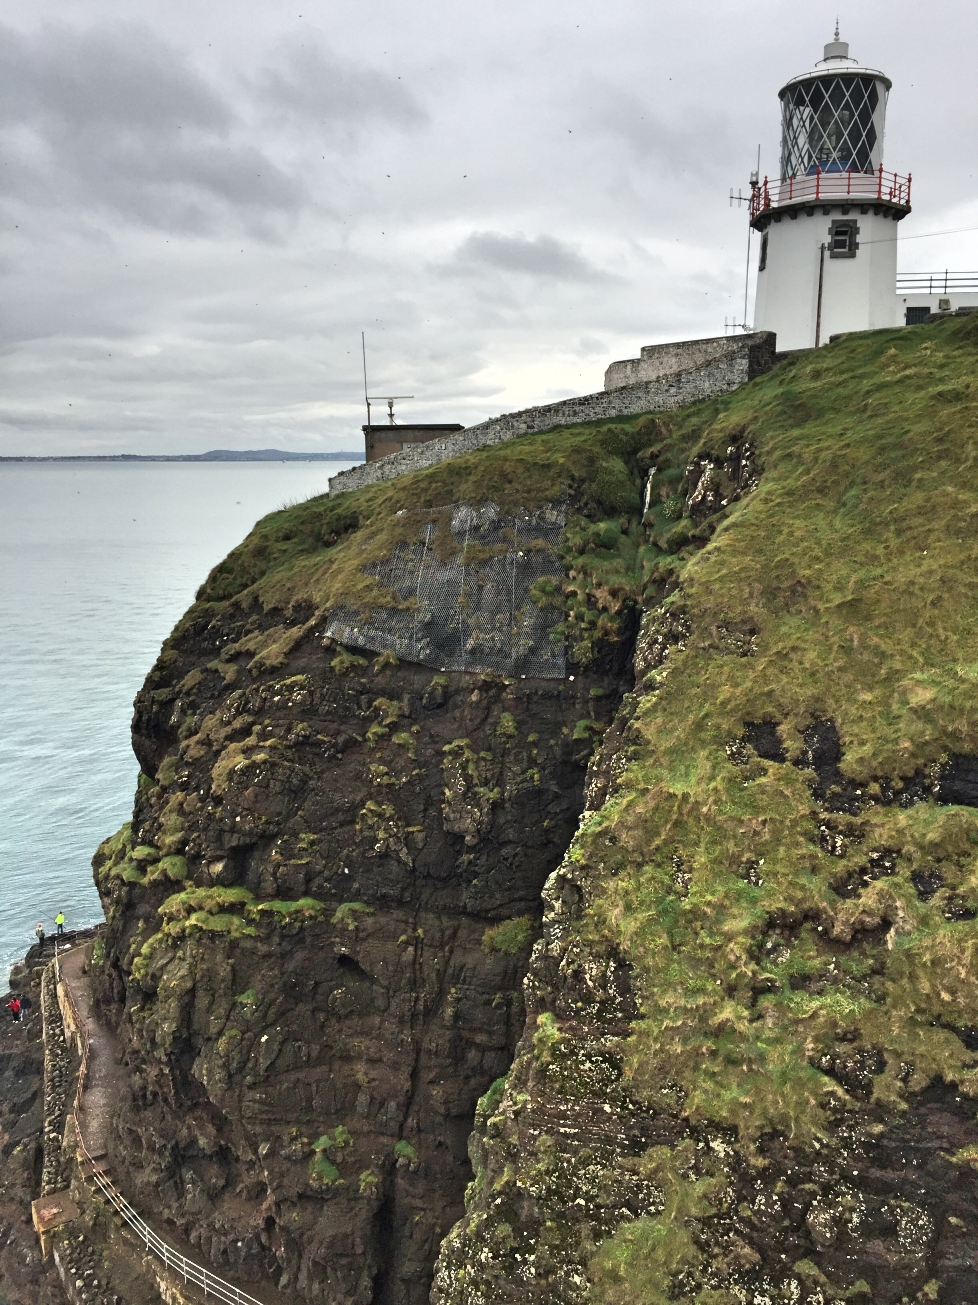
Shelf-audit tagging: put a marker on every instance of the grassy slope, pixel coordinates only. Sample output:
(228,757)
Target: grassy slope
(315,552)
(856,563)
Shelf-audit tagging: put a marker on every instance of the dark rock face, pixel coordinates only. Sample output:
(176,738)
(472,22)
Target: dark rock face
(569,1154)
(24,1278)
(305,1074)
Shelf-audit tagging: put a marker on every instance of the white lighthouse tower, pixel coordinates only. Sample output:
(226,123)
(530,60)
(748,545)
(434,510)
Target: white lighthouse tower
(828,224)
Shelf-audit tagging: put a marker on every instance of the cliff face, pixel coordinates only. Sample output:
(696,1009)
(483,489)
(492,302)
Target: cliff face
(749,1072)
(322,912)
(24,1277)
(742,1067)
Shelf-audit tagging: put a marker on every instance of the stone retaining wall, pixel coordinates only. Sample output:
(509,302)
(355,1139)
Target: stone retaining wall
(747,357)
(659,360)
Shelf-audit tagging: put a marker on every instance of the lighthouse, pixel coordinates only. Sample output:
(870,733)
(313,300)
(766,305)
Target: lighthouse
(828,223)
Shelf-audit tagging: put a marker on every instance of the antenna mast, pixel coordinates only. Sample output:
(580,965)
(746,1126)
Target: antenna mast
(739,199)
(389,400)
(363,346)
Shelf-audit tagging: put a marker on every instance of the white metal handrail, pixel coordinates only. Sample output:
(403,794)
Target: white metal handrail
(172,1259)
(190,1271)
(936,282)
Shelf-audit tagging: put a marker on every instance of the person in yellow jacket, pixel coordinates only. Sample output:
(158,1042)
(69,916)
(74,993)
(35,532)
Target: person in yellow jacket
(59,920)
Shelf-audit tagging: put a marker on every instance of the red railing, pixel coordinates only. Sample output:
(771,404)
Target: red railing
(819,185)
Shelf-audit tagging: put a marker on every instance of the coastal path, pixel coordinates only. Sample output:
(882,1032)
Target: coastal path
(100,1082)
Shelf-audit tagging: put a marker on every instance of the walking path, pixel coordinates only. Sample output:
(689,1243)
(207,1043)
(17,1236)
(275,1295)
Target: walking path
(103,1079)
(100,1082)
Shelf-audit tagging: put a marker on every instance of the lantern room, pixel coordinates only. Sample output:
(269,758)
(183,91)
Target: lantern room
(832,117)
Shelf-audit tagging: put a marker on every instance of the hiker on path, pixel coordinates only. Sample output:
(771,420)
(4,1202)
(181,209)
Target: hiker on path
(39,934)
(59,920)
(13,1005)
(25,1008)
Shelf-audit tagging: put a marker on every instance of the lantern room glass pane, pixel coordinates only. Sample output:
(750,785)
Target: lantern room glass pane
(829,125)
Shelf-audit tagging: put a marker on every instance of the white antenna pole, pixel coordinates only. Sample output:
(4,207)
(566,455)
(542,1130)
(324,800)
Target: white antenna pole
(750,229)
(363,346)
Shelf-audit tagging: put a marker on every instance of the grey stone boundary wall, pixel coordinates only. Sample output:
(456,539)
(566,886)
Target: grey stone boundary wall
(659,360)
(748,356)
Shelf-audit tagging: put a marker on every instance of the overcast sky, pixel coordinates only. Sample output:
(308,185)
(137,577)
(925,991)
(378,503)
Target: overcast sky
(203,204)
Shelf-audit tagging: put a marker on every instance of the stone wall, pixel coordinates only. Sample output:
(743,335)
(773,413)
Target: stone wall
(658,360)
(748,356)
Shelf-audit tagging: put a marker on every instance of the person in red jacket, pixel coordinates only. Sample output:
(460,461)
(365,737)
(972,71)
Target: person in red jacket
(14,1007)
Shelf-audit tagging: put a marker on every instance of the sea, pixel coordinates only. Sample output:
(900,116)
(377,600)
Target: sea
(98,561)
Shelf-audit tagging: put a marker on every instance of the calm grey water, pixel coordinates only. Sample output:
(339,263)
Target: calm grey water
(97,564)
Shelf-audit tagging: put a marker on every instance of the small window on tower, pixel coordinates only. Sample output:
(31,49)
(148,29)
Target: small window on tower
(762,262)
(842,239)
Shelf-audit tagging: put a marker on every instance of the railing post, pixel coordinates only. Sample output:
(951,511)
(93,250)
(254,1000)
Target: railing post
(879,184)
(818,179)
(849,180)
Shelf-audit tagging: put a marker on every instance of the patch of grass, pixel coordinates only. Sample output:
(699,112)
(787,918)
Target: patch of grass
(314,553)
(306,908)
(145,853)
(173,868)
(345,661)
(546,1037)
(487,1103)
(322,1169)
(637,1266)
(511,936)
(405,1153)
(232,911)
(346,914)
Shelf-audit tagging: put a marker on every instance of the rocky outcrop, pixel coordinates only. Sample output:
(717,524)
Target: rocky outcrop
(311,1023)
(24,1278)
(735,1062)
(320,917)
(749,1068)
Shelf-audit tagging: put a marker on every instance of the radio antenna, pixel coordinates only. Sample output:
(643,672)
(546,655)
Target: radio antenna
(739,199)
(389,400)
(754,182)
(363,346)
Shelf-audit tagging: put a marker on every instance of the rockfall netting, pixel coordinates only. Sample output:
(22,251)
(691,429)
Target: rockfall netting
(466,601)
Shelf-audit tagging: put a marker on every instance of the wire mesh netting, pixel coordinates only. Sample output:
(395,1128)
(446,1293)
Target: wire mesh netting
(467,606)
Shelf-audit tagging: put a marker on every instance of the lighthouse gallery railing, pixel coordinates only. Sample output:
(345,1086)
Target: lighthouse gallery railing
(831,186)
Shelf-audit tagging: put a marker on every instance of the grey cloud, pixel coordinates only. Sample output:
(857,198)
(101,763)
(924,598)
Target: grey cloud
(543,256)
(548,118)
(335,94)
(115,120)
(123,78)
(692,140)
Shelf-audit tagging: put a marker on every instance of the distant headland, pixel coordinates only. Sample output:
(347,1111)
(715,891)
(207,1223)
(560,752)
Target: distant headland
(214,455)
